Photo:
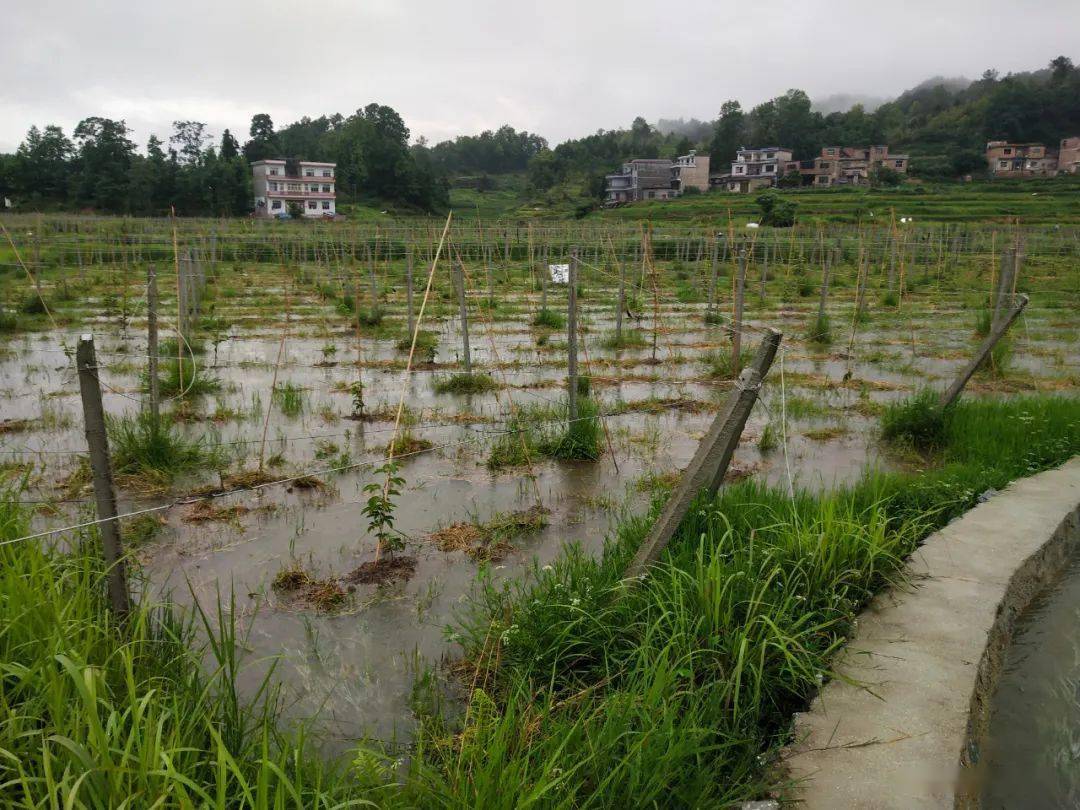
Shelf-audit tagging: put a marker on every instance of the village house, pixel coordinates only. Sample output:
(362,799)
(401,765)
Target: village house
(277,184)
(1069,156)
(1005,159)
(852,165)
(759,167)
(657,178)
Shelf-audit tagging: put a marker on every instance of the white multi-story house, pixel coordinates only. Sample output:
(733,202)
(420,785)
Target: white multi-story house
(311,188)
(754,168)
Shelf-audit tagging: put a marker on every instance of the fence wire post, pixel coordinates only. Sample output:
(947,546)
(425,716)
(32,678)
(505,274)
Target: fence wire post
(571,339)
(105,497)
(709,465)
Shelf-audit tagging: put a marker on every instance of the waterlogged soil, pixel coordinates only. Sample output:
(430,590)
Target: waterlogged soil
(349,656)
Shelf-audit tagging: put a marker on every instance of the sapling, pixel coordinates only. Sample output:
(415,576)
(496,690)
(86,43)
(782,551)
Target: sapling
(356,389)
(380,508)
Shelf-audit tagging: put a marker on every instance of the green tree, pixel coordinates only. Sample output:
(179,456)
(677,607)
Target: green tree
(728,136)
(230,149)
(105,154)
(263,144)
(42,171)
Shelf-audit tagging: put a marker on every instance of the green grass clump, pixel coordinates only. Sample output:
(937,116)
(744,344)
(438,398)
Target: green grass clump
(290,399)
(9,321)
(984,319)
(630,339)
(722,363)
(427,343)
(549,319)
(680,691)
(806,288)
(167,347)
(890,299)
(917,421)
(820,331)
(144,446)
(581,439)
(475,383)
(141,713)
(183,378)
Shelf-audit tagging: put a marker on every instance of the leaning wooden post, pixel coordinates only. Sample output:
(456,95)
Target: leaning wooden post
(709,465)
(1005,285)
(459,282)
(996,333)
(152,342)
(736,324)
(571,338)
(98,443)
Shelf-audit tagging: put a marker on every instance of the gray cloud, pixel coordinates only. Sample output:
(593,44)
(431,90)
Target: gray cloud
(561,68)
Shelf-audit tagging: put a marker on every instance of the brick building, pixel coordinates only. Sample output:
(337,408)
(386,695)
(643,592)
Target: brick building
(852,165)
(1005,159)
(657,178)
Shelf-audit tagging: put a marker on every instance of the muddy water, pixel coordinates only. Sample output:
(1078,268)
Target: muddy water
(1033,753)
(353,670)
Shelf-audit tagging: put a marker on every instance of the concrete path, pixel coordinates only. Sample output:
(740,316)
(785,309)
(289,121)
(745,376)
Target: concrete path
(927,657)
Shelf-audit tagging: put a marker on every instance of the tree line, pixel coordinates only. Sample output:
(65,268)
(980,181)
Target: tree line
(99,167)
(944,126)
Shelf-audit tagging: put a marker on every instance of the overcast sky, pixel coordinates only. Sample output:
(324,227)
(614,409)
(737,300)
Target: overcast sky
(562,68)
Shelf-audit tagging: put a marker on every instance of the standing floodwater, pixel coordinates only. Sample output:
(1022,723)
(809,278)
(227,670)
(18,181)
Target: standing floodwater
(1033,753)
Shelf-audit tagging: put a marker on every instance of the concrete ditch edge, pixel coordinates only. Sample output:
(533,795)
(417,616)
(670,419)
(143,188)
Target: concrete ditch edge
(900,726)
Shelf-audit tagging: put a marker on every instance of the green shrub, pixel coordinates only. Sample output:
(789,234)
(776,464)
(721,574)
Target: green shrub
(918,421)
(475,383)
(549,319)
(820,331)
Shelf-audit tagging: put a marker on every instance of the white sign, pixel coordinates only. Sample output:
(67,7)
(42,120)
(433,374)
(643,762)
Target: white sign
(560,273)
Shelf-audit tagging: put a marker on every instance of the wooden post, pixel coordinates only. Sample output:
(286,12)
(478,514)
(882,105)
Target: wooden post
(736,325)
(571,338)
(825,268)
(459,282)
(764,271)
(409,288)
(713,271)
(707,469)
(620,305)
(996,333)
(104,496)
(152,342)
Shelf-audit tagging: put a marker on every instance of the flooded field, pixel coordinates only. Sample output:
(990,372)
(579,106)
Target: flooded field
(297,367)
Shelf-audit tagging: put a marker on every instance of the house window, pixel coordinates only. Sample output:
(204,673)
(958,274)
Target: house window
(1006,151)
(326,173)
(311,204)
(770,167)
(326,188)
(899,164)
(738,170)
(830,152)
(770,155)
(273,171)
(276,205)
(825,165)
(325,205)
(1003,164)
(309,172)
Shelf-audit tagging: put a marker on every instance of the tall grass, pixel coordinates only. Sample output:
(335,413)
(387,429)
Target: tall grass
(678,692)
(142,445)
(99,714)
